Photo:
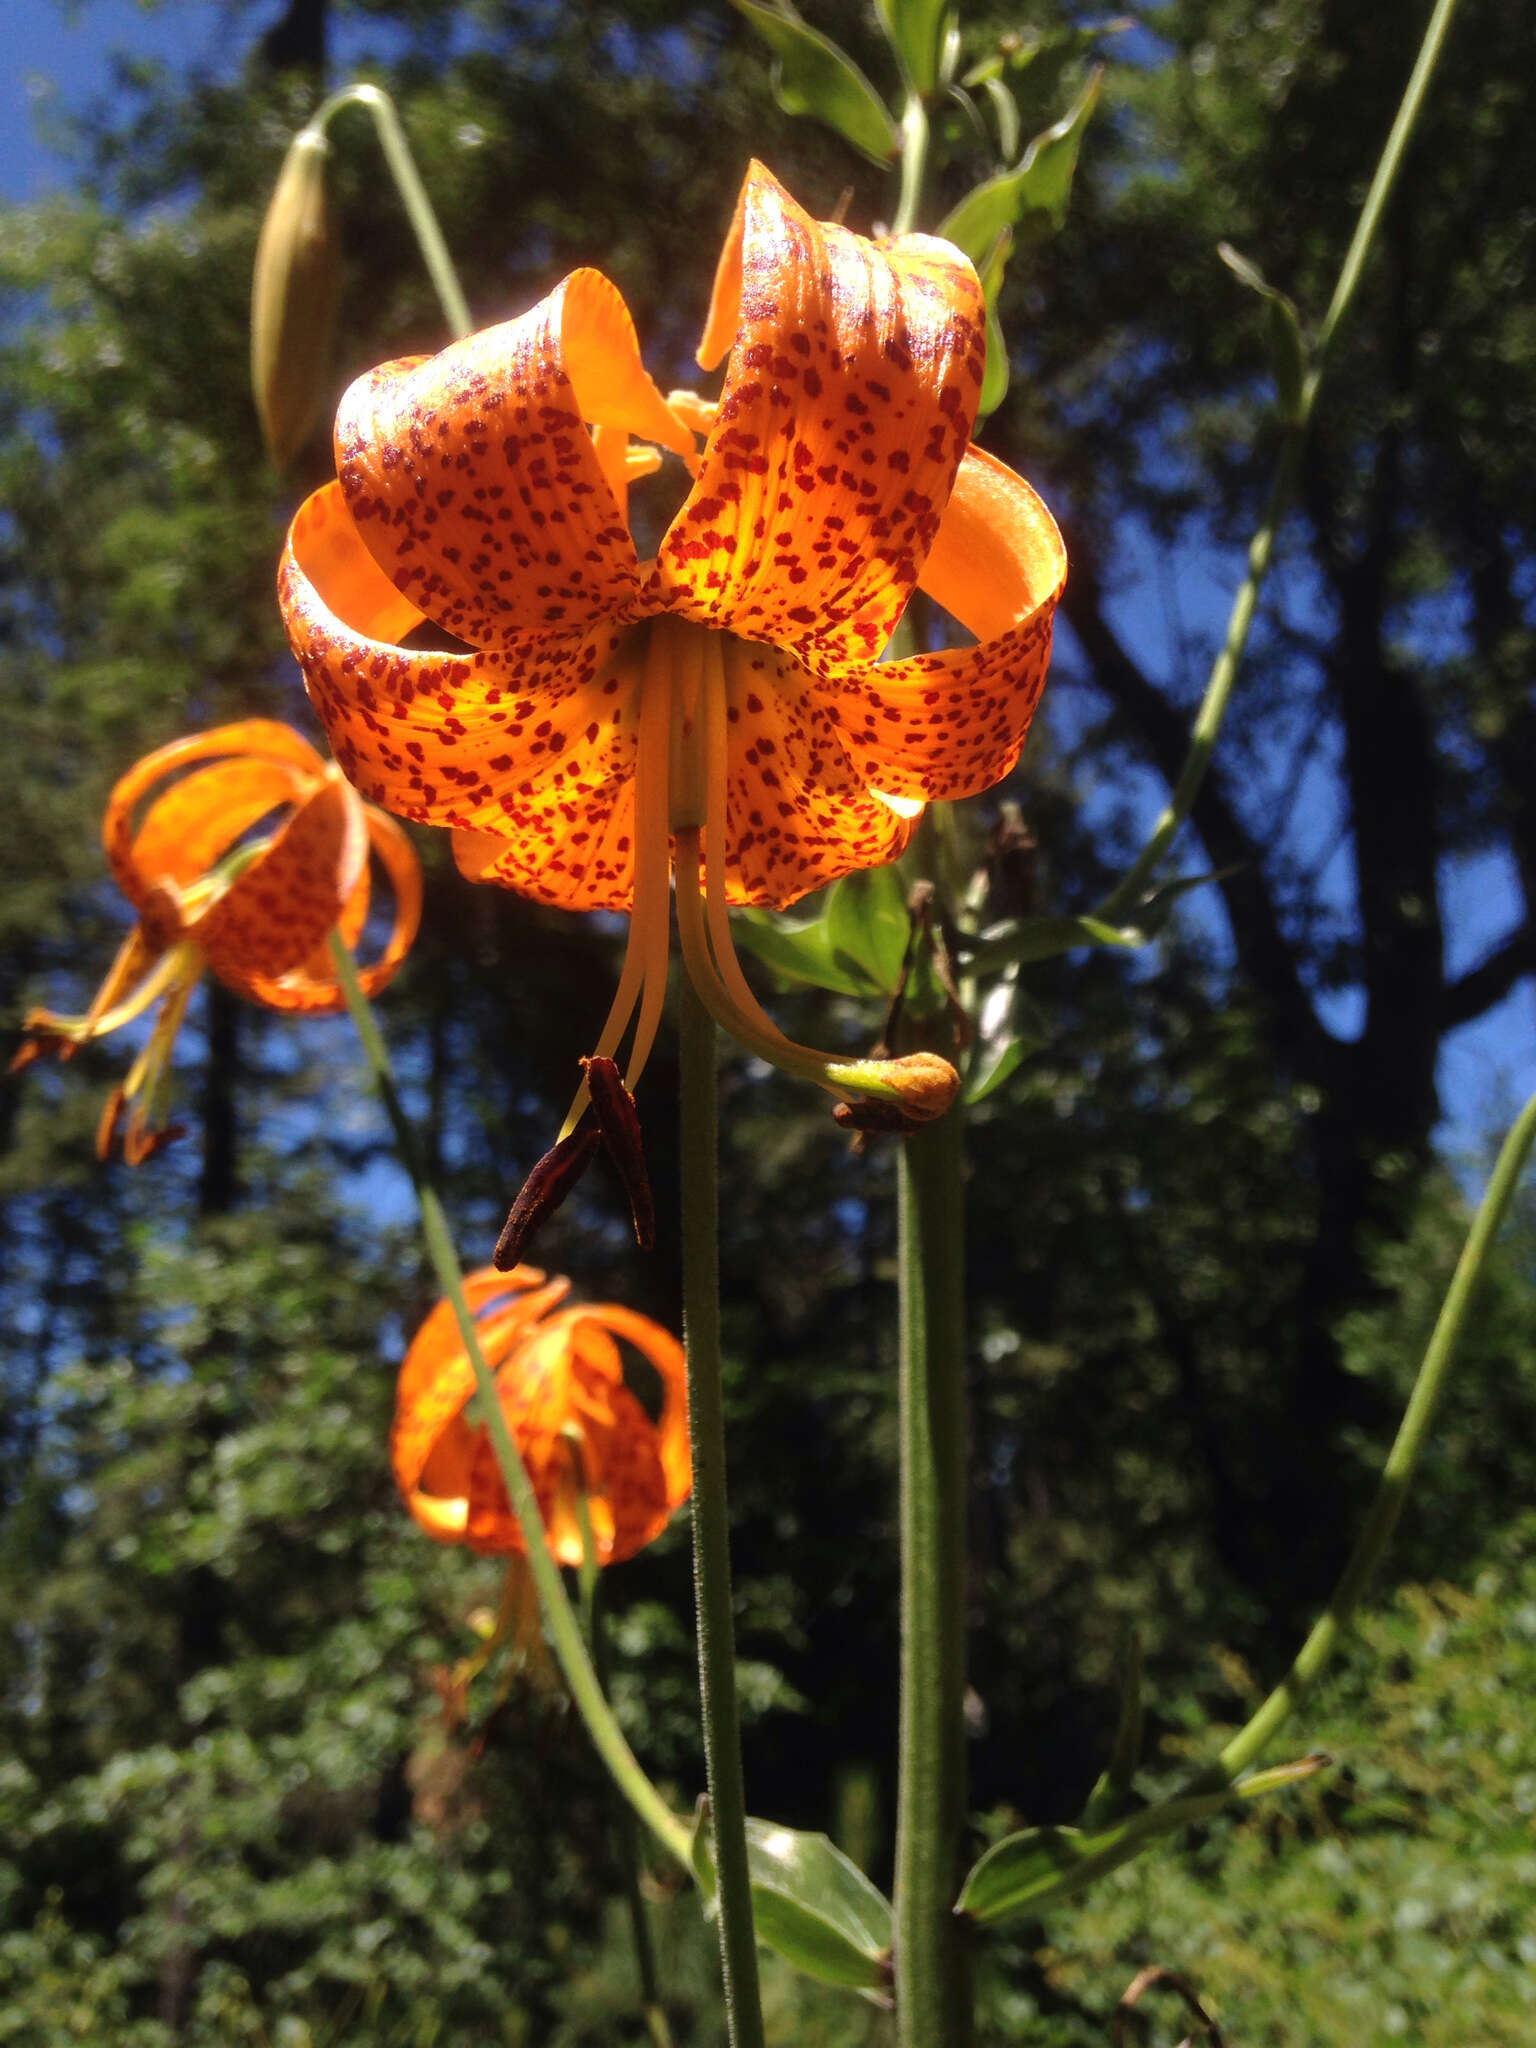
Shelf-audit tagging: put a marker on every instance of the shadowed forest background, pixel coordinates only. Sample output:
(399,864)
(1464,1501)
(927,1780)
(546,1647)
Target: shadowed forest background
(1209,1225)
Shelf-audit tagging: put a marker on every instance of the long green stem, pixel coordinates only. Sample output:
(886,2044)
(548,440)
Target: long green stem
(1123,899)
(1404,1455)
(590,1582)
(711,1522)
(413,195)
(560,1618)
(932,1993)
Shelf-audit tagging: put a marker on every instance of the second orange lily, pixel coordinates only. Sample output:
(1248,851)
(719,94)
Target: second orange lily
(254,911)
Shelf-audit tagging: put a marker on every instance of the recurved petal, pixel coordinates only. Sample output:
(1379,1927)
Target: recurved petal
(190,827)
(571,846)
(184,839)
(950,724)
(474,740)
(662,1351)
(436,1378)
(473,479)
(630,1508)
(847,406)
(312,986)
(799,811)
(323,537)
(274,914)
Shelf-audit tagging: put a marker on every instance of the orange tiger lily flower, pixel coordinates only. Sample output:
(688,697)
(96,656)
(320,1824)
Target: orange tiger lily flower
(560,1378)
(719,713)
(254,911)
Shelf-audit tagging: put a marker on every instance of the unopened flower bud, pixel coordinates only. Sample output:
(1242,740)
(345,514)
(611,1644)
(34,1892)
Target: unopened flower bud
(293,298)
(927,1084)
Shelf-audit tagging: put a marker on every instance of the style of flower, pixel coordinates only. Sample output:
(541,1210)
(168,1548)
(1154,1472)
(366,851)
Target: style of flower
(582,1433)
(244,867)
(719,713)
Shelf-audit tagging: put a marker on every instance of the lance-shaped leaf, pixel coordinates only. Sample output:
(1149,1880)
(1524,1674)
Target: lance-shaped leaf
(810,1904)
(868,926)
(1032,198)
(1042,938)
(994,383)
(797,953)
(1112,1793)
(1005,110)
(813,76)
(854,946)
(912,29)
(1287,350)
(1021,1872)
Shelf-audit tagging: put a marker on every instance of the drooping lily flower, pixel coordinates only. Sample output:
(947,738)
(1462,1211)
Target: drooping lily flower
(719,713)
(583,1435)
(244,867)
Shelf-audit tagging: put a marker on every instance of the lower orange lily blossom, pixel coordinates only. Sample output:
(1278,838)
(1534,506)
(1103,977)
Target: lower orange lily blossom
(581,1432)
(255,907)
(720,711)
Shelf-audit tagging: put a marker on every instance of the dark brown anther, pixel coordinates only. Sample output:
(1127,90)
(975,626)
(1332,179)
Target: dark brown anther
(543,1191)
(887,1118)
(141,1145)
(619,1122)
(107,1123)
(37,1043)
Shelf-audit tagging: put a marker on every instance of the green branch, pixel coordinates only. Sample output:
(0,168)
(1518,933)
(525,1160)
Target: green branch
(1123,899)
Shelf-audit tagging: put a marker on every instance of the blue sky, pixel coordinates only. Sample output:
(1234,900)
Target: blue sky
(53,59)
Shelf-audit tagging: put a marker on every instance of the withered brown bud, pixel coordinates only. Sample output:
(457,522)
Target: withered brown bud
(885,1118)
(293,298)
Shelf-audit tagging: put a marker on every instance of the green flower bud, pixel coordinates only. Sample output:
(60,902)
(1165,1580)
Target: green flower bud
(293,298)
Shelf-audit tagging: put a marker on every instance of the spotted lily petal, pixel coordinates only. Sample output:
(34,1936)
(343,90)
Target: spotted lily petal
(280,908)
(953,723)
(560,1380)
(847,406)
(191,824)
(437,1380)
(312,986)
(799,812)
(474,482)
(530,744)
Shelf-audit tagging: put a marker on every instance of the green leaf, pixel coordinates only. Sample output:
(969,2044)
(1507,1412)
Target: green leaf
(1042,938)
(1033,197)
(994,379)
(810,1904)
(854,945)
(812,76)
(868,926)
(992,1070)
(797,953)
(912,30)
(1025,1869)
(1287,349)
(1005,108)
(1112,1793)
